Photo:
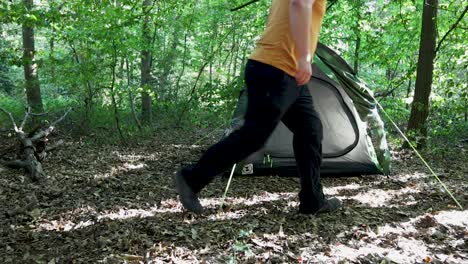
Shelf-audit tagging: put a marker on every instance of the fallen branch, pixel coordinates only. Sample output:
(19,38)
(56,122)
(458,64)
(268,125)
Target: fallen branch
(25,119)
(54,146)
(33,146)
(47,131)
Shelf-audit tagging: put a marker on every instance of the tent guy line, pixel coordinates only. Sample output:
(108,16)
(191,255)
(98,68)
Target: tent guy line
(418,154)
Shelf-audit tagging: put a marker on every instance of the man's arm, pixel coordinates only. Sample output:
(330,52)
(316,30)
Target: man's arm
(300,17)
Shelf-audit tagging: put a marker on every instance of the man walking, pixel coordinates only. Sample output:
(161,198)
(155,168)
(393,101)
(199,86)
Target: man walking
(275,75)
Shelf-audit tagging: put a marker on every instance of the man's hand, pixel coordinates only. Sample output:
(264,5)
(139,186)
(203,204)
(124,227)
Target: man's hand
(304,71)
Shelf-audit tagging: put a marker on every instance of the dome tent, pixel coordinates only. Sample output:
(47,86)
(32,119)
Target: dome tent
(354,137)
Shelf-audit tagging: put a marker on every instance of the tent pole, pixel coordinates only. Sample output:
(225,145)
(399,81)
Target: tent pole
(244,5)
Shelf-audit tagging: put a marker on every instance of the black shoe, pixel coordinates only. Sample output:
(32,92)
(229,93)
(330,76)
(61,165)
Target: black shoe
(330,205)
(187,196)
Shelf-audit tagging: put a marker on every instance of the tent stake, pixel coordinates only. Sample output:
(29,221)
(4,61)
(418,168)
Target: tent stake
(227,187)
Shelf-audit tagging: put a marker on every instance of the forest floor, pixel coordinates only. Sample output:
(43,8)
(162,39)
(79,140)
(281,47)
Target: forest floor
(117,204)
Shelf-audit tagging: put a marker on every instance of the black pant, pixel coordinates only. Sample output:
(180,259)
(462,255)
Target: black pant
(273,95)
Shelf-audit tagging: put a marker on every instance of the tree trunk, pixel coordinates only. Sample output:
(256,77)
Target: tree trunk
(167,65)
(88,96)
(114,101)
(420,105)
(408,91)
(52,58)
(357,32)
(184,63)
(33,90)
(130,94)
(466,111)
(146,65)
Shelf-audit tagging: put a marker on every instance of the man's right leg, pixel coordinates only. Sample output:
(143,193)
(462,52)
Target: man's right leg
(269,96)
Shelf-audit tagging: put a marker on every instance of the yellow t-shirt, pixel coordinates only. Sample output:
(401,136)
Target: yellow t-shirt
(276,47)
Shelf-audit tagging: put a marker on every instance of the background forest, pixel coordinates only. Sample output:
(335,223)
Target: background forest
(141,88)
(131,66)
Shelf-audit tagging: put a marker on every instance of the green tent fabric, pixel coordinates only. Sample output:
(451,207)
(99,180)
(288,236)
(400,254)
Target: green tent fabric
(354,136)
(363,99)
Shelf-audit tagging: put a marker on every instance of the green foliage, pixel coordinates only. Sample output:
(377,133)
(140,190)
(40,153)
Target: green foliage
(6,84)
(389,40)
(240,246)
(90,51)
(15,107)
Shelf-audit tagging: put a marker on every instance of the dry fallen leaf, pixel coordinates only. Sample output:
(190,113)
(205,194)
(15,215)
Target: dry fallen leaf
(98,218)
(427,259)
(129,257)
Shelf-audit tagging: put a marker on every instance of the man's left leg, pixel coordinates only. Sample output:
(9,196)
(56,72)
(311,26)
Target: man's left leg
(304,121)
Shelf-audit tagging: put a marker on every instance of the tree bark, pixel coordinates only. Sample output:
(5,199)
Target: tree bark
(130,93)
(114,101)
(51,55)
(146,65)
(33,90)
(420,106)
(357,32)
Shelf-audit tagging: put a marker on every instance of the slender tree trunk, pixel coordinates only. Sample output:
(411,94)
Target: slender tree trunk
(211,74)
(88,97)
(130,94)
(184,63)
(114,101)
(408,91)
(236,57)
(465,99)
(420,105)
(466,110)
(214,37)
(146,65)
(33,89)
(52,57)
(167,66)
(184,56)
(231,57)
(357,31)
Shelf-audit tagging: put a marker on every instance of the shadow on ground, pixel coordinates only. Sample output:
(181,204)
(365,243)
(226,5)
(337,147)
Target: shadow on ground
(116,204)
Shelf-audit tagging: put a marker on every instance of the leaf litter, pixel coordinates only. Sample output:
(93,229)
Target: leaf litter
(117,204)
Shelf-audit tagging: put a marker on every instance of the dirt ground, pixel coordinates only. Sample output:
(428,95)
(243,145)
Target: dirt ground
(116,204)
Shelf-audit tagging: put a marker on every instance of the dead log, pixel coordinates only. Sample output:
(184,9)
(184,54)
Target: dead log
(33,146)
